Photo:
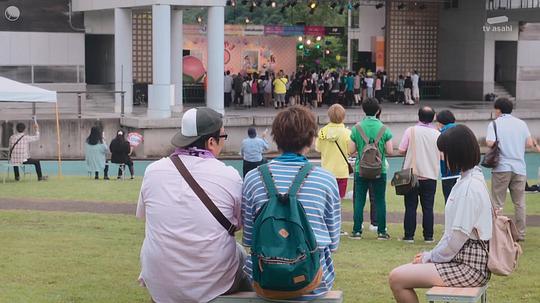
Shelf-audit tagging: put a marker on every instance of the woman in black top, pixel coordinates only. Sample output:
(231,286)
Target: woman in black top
(120,153)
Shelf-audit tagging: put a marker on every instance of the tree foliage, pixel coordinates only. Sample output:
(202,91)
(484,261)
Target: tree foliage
(310,57)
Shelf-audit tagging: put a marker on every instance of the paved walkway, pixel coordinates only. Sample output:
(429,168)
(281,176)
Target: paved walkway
(129,209)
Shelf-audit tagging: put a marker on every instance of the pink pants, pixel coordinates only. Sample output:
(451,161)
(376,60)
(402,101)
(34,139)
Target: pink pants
(342,185)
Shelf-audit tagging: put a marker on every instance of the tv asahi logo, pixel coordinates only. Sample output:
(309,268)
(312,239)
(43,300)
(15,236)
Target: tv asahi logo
(494,27)
(12,13)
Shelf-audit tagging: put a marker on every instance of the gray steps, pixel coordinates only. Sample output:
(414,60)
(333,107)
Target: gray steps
(501,92)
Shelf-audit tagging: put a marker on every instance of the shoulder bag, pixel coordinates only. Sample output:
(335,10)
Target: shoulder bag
(349,166)
(229,227)
(405,180)
(491,158)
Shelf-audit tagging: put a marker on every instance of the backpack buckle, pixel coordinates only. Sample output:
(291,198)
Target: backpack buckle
(283,198)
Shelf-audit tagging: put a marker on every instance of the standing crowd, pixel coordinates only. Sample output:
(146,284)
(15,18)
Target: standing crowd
(290,210)
(315,88)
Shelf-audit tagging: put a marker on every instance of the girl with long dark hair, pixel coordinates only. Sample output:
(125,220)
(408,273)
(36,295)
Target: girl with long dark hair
(96,153)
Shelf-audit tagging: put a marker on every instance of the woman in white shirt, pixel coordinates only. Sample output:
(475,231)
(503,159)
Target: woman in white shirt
(460,258)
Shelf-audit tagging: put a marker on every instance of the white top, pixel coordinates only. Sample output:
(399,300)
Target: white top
(227,84)
(512,134)
(187,256)
(469,206)
(427,164)
(415,78)
(369,82)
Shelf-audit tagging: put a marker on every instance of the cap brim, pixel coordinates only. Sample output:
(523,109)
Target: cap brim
(180,140)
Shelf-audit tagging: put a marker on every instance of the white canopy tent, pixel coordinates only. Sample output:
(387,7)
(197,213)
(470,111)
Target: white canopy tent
(13,91)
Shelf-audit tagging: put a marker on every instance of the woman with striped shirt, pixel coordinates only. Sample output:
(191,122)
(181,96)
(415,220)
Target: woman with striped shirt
(293,130)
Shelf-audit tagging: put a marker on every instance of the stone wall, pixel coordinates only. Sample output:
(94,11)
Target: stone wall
(157,134)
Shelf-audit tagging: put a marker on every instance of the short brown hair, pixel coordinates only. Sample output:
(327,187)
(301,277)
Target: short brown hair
(294,128)
(460,148)
(336,113)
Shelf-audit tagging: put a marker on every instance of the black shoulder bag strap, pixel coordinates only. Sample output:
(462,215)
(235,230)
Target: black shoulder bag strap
(231,229)
(495,129)
(15,144)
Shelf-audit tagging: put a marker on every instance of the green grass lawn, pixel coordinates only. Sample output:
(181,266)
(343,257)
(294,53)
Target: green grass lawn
(127,191)
(71,257)
(74,189)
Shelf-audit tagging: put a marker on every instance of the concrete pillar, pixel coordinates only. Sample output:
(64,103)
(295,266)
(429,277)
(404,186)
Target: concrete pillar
(161,92)
(177,46)
(123,62)
(349,54)
(216,33)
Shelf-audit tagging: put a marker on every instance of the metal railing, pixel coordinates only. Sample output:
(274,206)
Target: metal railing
(193,93)
(79,100)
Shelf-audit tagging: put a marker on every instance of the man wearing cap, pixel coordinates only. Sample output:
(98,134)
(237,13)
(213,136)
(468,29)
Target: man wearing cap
(187,255)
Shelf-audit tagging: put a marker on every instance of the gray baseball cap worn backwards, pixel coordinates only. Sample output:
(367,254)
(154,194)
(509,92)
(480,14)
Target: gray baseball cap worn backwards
(197,122)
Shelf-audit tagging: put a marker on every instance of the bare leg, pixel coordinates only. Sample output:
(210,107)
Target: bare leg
(405,278)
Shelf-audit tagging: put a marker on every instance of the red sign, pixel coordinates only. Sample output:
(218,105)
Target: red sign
(314,30)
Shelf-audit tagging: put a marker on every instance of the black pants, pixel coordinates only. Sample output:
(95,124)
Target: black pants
(426,192)
(349,98)
(238,98)
(250,166)
(334,98)
(105,172)
(29,161)
(228,99)
(129,164)
(447,185)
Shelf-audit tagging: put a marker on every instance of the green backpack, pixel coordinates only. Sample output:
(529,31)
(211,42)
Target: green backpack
(284,251)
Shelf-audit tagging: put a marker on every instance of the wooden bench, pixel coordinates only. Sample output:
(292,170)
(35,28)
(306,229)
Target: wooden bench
(335,296)
(457,294)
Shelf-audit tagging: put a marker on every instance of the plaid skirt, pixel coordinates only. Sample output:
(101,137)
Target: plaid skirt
(468,268)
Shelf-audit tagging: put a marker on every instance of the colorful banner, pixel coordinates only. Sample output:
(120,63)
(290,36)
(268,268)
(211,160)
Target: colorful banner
(260,30)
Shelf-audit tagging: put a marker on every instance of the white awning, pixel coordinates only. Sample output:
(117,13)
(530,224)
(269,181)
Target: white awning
(13,91)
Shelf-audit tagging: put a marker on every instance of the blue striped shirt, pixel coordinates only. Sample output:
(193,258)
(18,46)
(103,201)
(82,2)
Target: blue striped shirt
(320,197)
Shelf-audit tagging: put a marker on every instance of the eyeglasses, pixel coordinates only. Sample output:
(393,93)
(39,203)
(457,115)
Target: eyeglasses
(225,136)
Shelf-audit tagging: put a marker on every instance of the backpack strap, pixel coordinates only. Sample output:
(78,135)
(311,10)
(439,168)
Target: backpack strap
(297,182)
(268,180)
(362,133)
(379,135)
(299,179)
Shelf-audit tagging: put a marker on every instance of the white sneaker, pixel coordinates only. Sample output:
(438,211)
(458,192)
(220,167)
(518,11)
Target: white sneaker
(343,233)
(373,228)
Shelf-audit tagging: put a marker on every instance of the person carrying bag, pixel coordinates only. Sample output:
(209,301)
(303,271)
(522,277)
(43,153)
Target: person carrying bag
(491,158)
(405,180)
